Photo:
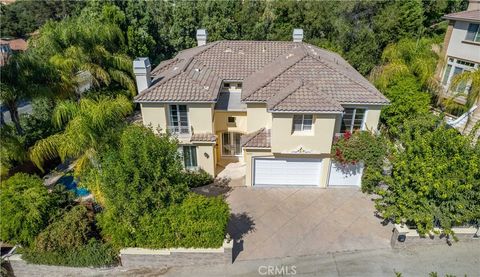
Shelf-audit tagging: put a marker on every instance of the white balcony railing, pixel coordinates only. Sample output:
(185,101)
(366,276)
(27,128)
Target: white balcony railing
(179,130)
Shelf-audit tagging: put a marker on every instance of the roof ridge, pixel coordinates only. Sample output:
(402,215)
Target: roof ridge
(303,54)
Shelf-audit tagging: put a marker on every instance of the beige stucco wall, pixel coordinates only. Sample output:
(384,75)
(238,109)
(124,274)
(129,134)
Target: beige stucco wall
(258,117)
(316,142)
(250,153)
(222,125)
(154,114)
(206,157)
(457,46)
(200,117)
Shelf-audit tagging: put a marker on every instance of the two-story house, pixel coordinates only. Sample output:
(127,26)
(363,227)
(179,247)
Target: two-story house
(274,105)
(461,52)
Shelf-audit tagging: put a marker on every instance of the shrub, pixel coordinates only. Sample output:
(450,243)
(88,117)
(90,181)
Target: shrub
(365,147)
(94,253)
(26,208)
(198,178)
(198,221)
(140,177)
(69,232)
(70,241)
(435,180)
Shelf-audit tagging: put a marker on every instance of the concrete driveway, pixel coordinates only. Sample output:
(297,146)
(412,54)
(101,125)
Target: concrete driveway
(283,222)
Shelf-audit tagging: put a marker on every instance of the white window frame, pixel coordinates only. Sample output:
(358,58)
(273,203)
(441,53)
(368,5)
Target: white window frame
(352,125)
(231,136)
(171,127)
(454,62)
(302,130)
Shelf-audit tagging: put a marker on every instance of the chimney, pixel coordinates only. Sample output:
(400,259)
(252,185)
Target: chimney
(202,37)
(473,5)
(141,69)
(297,35)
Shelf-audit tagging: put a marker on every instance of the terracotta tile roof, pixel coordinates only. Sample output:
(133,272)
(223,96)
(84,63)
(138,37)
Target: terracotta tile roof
(18,44)
(301,97)
(465,16)
(266,69)
(203,137)
(257,139)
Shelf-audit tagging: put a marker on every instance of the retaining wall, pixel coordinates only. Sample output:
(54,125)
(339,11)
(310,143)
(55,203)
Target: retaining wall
(403,237)
(131,259)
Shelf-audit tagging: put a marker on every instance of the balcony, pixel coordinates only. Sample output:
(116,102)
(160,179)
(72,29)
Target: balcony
(180,131)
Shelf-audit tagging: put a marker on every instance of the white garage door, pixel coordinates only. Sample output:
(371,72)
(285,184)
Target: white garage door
(287,172)
(345,175)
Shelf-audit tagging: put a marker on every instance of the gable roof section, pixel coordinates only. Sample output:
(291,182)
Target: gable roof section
(301,97)
(266,68)
(471,16)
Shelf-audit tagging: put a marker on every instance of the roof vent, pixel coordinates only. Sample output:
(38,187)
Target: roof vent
(228,50)
(201,37)
(297,35)
(241,52)
(197,69)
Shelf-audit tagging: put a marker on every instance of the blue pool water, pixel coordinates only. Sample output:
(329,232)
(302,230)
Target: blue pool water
(70,183)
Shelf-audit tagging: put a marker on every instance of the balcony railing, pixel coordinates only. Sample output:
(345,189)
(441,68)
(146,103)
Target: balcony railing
(179,130)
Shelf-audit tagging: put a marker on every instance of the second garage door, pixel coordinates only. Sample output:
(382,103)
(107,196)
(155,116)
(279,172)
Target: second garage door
(287,172)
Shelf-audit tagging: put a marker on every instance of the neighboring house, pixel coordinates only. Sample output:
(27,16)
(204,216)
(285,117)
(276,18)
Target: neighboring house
(274,105)
(8,46)
(461,53)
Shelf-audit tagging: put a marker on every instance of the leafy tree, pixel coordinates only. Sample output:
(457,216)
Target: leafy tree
(38,124)
(23,17)
(25,76)
(435,179)
(138,178)
(26,208)
(11,150)
(88,125)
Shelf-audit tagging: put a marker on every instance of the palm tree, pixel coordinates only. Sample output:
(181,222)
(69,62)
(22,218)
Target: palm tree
(82,44)
(11,150)
(472,94)
(26,76)
(88,125)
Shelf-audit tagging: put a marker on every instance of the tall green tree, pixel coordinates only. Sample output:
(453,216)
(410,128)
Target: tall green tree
(88,125)
(85,44)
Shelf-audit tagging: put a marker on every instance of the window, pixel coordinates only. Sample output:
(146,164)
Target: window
(231,119)
(455,67)
(190,157)
(226,85)
(239,85)
(352,119)
(473,33)
(231,144)
(302,122)
(178,119)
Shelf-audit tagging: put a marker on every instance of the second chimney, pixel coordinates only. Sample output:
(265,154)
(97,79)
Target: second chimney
(201,37)
(297,35)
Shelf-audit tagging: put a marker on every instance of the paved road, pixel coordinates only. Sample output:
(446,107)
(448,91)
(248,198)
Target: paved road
(459,259)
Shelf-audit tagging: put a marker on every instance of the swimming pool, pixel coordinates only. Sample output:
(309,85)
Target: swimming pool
(69,182)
